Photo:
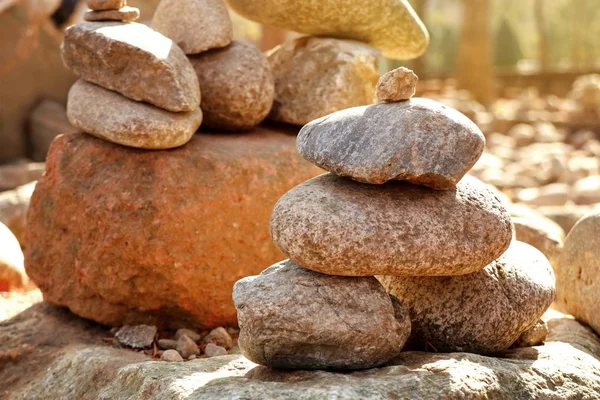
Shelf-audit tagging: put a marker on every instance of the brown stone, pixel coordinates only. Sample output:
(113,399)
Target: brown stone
(483,312)
(337,226)
(291,317)
(134,60)
(101,5)
(125,236)
(12,272)
(125,14)
(315,77)
(237,86)
(389,25)
(195,25)
(419,141)
(113,117)
(534,336)
(578,272)
(397,85)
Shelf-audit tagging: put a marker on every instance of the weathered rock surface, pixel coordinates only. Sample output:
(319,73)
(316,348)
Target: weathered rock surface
(74,363)
(291,317)
(160,237)
(578,271)
(534,336)
(101,5)
(397,85)
(113,117)
(390,25)
(337,226)
(171,356)
(125,14)
(420,141)
(12,271)
(483,312)
(195,25)
(315,77)
(237,86)
(137,336)
(13,210)
(134,60)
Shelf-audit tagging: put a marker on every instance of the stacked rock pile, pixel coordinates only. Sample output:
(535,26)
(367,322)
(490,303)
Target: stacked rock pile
(397,206)
(111,10)
(330,71)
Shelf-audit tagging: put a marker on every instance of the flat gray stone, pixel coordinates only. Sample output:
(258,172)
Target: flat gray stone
(337,226)
(420,141)
(483,312)
(291,317)
(136,336)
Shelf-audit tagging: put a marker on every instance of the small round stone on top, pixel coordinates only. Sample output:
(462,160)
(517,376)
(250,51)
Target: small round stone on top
(397,85)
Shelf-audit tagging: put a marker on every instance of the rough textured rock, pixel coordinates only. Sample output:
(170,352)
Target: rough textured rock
(220,337)
(390,25)
(291,317)
(134,60)
(113,117)
(171,356)
(73,362)
(397,85)
(101,5)
(187,347)
(578,271)
(13,210)
(158,237)
(483,312)
(420,141)
(534,336)
(212,350)
(12,271)
(337,226)
(318,76)
(237,86)
(138,336)
(125,14)
(195,25)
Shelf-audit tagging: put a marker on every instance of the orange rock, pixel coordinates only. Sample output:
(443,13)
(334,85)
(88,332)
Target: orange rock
(125,236)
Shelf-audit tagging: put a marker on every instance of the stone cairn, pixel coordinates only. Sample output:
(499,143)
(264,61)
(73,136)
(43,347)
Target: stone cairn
(395,246)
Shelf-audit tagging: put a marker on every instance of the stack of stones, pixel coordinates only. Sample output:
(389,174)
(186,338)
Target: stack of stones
(396,215)
(111,10)
(334,67)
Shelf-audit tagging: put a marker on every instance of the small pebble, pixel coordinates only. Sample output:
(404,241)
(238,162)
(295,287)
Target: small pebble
(171,356)
(138,336)
(212,350)
(534,336)
(125,14)
(192,357)
(220,337)
(167,344)
(397,85)
(187,347)
(102,5)
(189,333)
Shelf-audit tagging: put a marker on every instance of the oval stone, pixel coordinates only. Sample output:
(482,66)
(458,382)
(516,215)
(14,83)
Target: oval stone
(483,312)
(291,317)
(420,141)
(113,117)
(337,226)
(389,25)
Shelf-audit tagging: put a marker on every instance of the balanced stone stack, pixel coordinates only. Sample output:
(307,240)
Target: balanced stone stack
(396,206)
(336,68)
(111,10)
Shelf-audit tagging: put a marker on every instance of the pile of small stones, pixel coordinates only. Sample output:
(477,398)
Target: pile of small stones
(141,87)
(186,344)
(394,248)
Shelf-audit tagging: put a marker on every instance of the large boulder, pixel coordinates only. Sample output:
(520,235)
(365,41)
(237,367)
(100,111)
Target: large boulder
(337,226)
(54,355)
(483,312)
(125,236)
(390,25)
(578,271)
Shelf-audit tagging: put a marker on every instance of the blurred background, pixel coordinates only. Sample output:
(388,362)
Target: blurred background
(525,70)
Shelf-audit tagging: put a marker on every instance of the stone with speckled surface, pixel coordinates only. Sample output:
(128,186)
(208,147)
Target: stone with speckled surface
(126,236)
(534,336)
(291,317)
(134,60)
(195,25)
(337,226)
(125,14)
(483,312)
(397,85)
(113,117)
(419,141)
(389,25)
(318,76)
(237,86)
